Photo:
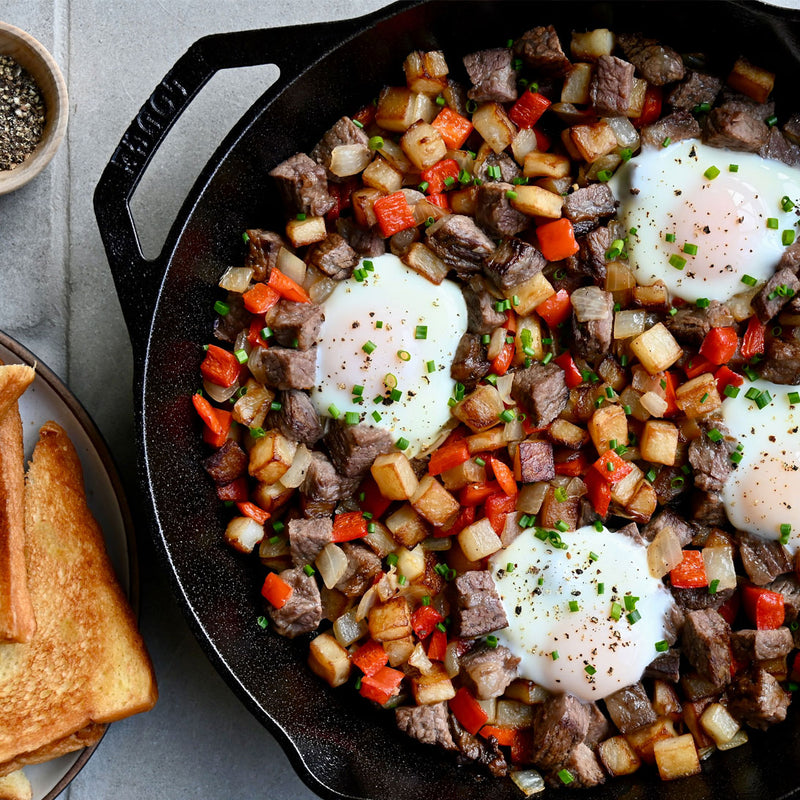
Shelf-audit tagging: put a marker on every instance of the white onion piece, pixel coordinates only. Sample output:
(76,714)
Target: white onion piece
(380,541)
(653,404)
(347,629)
(576,488)
(437,544)
(528,781)
(629,323)
(268,549)
(504,383)
(219,394)
(412,196)
(524,142)
(320,291)
(739,304)
(296,474)
(531,497)
(290,265)
(589,303)
(349,159)
(513,432)
(420,660)
(451,661)
(719,567)
(396,156)
(626,134)
(236,279)
(241,342)
(496,342)
(664,553)
(368,600)
(332,564)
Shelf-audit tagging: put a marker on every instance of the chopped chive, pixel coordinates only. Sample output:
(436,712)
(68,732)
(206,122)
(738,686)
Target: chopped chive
(223,309)
(491,640)
(265,333)
(426,600)
(262,622)
(794,397)
(669,237)
(395,395)
(616,611)
(662,646)
(589,669)
(713,586)
(690,249)
(626,154)
(601,587)
(421,332)
(650,476)
(763,399)
(786,203)
(714,435)
(368,347)
(633,617)
(711,173)
(511,194)
(667,141)
(573,605)
(506,416)
(423,187)
(393,558)
(565,776)
(430,366)
(351,418)
(733,167)
(749,280)
(598,525)
(771,121)
(562,526)
(786,532)
(308,569)
(554,655)
(593,556)
(480,462)
(787,237)
(274,539)
(677,262)
(275,406)
(278,526)
(604,175)
(376,416)
(630,602)
(300,217)
(731,391)
(560,494)
(509,567)
(241,356)
(333,411)
(772,223)
(402,443)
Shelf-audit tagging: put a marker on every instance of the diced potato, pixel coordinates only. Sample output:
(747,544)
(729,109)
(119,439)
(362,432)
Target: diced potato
(432,688)
(391,620)
(620,282)
(271,496)
(643,504)
(528,345)
(526,692)
(569,145)
(492,123)
(480,409)
(464,201)
(537,202)
(676,757)
(699,396)
(618,757)
(328,659)
(411,563)
(613,373)
(423,144)
(458,477)
(665,700)
(425,108)
(656,348)
(638,92)
(608,424)
(592,44)
(567,434)
(644,739)
(531,293)
(576,84)
(381,175)
(271,456)
(513,714)
(479,540)
(692,713)
(424,261)
(719,724)
(407,527)
(489,707)
(243,534)
(659,442)
(426,72)
(751,80)
(399,650)
(363,201)
(252,407)
(593,140)
(301,232)
(493,439)
(394,475)
(397,108)
(393,153)
(622,491)
(654,296)
(433,502)
(548,165)
(664,553)
(524,142)
(720,567)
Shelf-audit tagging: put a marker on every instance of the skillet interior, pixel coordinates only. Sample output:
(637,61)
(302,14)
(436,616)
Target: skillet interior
(339,745)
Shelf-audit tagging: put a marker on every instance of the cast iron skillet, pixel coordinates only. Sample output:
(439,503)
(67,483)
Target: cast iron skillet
(340,746)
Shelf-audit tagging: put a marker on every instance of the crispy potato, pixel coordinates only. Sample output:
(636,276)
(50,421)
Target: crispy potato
(676,757)
(659,442)
(618,757)
(656,348)
(480,409)
(301,232)
(328,659)
(394,475)
(271,456)
(391,620)
(433,502)
(407,526)
(434,687)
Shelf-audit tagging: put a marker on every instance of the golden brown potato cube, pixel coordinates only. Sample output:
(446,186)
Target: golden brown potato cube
(526,692)
(569,145)
(567,434)
(271,496)
(394,475)
(464,201)
(531,293)
(591,45)
(252,407)
(537,202)
(458,477)
(622,491)
(423,144)
(777,667)
(654,296)
(555,511)
(430,582)
(659,442)
(643,504)
(751,80)
(399,650)
(328,659)
(656,348)
(620,282)
(546,165)
(493,439)
(676,757)
(719,724)
(301,232)
(492,123)
(593,140)
(390,620)
(528,345)
(513,713)
(692,713)
(397,108)
(243,534)
(434,502)
(363,201)
(479,540)
(424,261)
(271,456)
(407,527)
(665,701)
(699,396)
(480,409)
(618,757)
(576,84)
(644,739)
(533,461)
(608,424)
(381,175)
(432,688)
(426,72)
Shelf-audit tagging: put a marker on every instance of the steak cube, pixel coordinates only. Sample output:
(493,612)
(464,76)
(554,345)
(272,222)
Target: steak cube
(541,389)
(303,185)
(478,609)
(492,75)
(295,325)
(535,461)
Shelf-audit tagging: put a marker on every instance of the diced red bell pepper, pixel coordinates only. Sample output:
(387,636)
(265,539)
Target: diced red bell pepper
(342,193)
(794,675)
(753,341)
(208,413)
(424,620)
(381,686)
(448,456)
(439,200)
(599,491)
(348,526)
(529,427)
(730,608)
(691,572)
(523,748)
(669,394)
(504,475)
(466,516)
(235,491)
(473,494)
(572,375)
(542,141)
(276,591)
(220,367)
(719,345)
(260,298)
(287,287)
(254,337)
(374,502)
(611,467)
(651,109)
(253,511)
(370,657)
(504,736)
(570,462)
(435,176)
(725,377)
(498,507)
(697,365)
(502,361)
(365,115)
(556,308)
(468,711)
(557,239)
(224,419)
(525,113)
(764,608)
(437,646)
(393,213)
(454,128)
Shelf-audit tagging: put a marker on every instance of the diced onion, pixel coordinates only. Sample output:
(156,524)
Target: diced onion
(607,163)
(664,553)
(627,135)
(349,159)
(219,394)
(420,660)
(719,567)
(531,497)
(332,564)
(296,474)
(653,404)
(268,549)
(618,277)
(236,279)
(524,142)
(629,323)
(320,291)
(368,600)
(740,304)
(394,154)
(451,662)
(589,303)
(437,544)
(513,431)
(528,781)
(739,738)
(496,342)
(291,265)
(380,541)
(412,196)
(576,488)
(347,629)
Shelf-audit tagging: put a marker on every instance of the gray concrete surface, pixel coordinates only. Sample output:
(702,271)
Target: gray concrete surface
(57,298)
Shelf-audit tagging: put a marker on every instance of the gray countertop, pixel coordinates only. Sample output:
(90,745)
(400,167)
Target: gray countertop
(57,298)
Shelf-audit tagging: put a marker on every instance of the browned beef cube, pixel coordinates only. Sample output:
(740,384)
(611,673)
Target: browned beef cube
(303,185)
(228,326)
(775,294)
(494,212)
(600,728)
(536,461)
(509,169)
(675,127)
(362,566)
(735,129)
(674,620)
(791,257)
(763,560)
(789,587)
(611,86)
(541,50)
(780,148)
(587,205)
(334,257)
(460,243)
(323,483)
(262,252)
(695,599)
(708,508)
(711,460)
(367,242)
(665,667)
(561,723)
(227,463)
(631,530)
(285,368)
(470,363)
(706,643)
(791,128)
(297,418)
(485,752)
(514,262)
(582,765)
(492,75)
(782,361)
(427,724)
(690,324)
(307,538)
(487,671)
(630,708)
(353,448)
(694,90)
(482,317)
(345,131)
(542,391)
(668,519)
(591,257)
(737,101)
(592,339)
(477,609)
(302,612)
(656,63)
(295,325)
(758,700)
(755,645)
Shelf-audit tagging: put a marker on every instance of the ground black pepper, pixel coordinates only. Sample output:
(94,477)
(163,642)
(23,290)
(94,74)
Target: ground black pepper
(22,113)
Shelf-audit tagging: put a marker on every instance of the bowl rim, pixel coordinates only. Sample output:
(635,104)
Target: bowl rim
(58,112)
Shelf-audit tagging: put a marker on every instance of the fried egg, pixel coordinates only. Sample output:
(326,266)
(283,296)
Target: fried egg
(703,217)
(569,620)
(385,350)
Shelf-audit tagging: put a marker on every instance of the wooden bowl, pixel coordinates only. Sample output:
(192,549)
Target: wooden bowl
(33,57)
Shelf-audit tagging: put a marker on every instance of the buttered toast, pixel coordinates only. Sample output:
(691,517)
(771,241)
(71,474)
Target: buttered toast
(87,662)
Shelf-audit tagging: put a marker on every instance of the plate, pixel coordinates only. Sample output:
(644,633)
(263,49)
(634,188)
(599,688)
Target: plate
(47,398)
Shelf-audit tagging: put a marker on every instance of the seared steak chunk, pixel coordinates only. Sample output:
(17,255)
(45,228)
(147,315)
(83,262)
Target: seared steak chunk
(492,75)
(694,90)
(460,243)
(304,187)
(302,612)
(592,337)
(284,368)
(494,212)
(630,708)
(470,363)
(665,667)
(334,257)
(656,63)
(307,538)
(297,418)
(711,460)
(731,127)
(583,767)
(591,257)
(757,699)
(362,566)
(694,599)
(611,86)
(509,169)
(485,751)
(513,262)
(706,643)
(690,324)
(353,448)
(541,390)
(676,127)
(262,252)
(540,48)
(587,205)
(536,461)
(295,325)
(781,362)
(487,671)
(323,483)
(477,609)
(668,519)
(367,242)
(775,294)
(427,724)
(755,645)
(763,560)
(344,132)
(560,724)
(780,148)
(481,314)
(227,463)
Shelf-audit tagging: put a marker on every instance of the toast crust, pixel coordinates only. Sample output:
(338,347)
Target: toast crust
(14,380)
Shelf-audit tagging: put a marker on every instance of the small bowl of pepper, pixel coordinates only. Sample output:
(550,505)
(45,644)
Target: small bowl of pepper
(33,107)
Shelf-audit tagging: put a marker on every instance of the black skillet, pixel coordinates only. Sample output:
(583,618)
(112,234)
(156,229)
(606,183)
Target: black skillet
(340,746)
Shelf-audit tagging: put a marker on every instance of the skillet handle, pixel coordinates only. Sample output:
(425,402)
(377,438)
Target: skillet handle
(138,279)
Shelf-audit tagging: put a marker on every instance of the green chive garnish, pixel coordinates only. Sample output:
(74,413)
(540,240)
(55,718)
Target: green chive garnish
(711,173)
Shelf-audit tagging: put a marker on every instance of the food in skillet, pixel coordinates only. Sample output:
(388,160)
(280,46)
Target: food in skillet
(507,408)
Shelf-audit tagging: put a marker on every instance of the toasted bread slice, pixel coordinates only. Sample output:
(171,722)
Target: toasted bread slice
(87,662)
(16,786)
(17,620)
(85,737)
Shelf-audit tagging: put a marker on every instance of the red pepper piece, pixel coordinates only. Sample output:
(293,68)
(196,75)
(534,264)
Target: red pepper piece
(235,491)
(447,456)
(557,239)
(466,516)
(439,200)
(220,367)
(224,420)
(286,287)
(572,375)
(374,502)
(571,463)
(276,590)
(725,377)
(436,175)
(498,507)
(254,337)
(651,109)
(381,686)
(260,298)
(473,494)
(697,365)
(599,492)
(719,345)
(691,572)
(764,608)
(669,394)
(556,308)
(542,141)
(504,736)
(525,113)
(504,476)
(348,526)
(370,657)
(730,608)
(503,359)
(454,128)
(753,341)
(468,711)
(393,213)
(424,620)
(253,511)
(437,646)
(611,467)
